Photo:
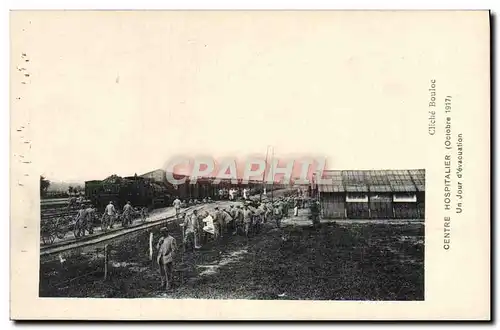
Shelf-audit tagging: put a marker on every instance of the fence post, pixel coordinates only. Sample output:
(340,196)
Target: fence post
(106,261)
(151,245)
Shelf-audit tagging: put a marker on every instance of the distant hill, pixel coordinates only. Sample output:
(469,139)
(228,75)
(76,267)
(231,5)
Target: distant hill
(63,186)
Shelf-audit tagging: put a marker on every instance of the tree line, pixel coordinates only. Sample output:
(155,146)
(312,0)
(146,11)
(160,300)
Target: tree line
(58,193)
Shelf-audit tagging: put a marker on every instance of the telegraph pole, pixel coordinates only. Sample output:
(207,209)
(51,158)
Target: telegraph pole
(272,174)
(264,175)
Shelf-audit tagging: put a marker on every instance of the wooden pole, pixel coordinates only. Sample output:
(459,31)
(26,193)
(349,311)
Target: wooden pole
(272,173)
(183,240)
(264,175)
(106,261)
(151,245)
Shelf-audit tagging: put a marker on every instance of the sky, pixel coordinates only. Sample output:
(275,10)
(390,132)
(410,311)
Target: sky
(123,93)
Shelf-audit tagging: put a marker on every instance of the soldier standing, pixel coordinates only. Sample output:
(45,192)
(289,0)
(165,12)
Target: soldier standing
(258,219)
(90,213)
(232,213)
(269,212)
(127,214)
(217,223)
(109,215)
(247,220)
(167,247)
(81,222)
(285,207)
(278,213)
(238,219)
(227,220)
(314,207)
(190,223)
(177,206)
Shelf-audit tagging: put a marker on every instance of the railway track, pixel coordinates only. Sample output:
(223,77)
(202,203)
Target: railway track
(55,214)
(57,222)
(66,245)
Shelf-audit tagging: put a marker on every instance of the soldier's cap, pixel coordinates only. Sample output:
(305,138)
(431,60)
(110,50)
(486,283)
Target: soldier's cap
(216,208)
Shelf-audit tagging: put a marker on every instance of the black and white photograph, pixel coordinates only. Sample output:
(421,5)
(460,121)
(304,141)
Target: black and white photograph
(357,235)
(249,165)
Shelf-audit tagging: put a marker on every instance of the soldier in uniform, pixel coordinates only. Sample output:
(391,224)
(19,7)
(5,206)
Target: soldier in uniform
(127,214)
(227,220)
(314,207)
(247,220)
(232,224)
(263,209)
(217,217)
(190,223)
(198,228)
(284,202)
(278,213)
(239,219)
(269,212)
(167,247)
(258,219)
(108,218)
(90,213)
(81,222)
(177,206)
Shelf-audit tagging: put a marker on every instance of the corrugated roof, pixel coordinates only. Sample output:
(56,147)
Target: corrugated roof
(401,181)
(418,177)
(337,181)
(378,181)
(326,188)
(374,181)
(358,188)
(328,174)
(332,185)
(354,178)
(354,181)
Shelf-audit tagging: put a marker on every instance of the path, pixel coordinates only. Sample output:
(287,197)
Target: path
(159,215)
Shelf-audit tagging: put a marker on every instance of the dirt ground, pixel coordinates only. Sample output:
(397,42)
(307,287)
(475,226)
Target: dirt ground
(339,261)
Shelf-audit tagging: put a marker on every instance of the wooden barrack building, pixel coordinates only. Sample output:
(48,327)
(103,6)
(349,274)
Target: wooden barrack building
(372,194)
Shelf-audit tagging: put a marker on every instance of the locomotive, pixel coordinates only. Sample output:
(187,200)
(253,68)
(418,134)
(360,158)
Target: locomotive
(153,192)
(140,191)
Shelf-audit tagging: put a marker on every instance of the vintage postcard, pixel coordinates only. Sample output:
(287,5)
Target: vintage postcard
(250,165)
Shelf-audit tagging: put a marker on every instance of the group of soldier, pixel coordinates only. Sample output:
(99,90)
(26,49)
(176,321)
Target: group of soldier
(246,220)
(87,216)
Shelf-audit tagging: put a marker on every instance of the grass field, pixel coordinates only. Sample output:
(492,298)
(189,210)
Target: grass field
(351,261)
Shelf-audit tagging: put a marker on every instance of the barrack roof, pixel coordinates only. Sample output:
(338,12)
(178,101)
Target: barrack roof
(373,181)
